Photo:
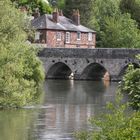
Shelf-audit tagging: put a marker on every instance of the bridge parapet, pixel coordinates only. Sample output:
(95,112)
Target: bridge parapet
(113,53)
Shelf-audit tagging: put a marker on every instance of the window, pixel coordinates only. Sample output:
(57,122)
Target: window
(67,37)
(89,36)
(37,35)
(58,36)
(78,35)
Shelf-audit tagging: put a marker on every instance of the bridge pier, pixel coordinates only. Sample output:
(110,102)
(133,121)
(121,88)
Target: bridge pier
(76,77)
(115,78)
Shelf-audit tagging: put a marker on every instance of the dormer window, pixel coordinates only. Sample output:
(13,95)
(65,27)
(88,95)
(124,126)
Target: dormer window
(78,35)
(58,36)
(89,36)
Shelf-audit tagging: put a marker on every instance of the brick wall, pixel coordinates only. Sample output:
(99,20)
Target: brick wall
(53,42)
(82,43)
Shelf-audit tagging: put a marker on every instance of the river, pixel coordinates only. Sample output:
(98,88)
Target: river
(67,106)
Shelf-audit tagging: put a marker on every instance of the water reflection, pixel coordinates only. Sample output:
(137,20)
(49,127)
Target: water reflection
(71,103)
(15,124)
(67,106)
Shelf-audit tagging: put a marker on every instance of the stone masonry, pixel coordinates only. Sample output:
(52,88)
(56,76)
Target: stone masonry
(87,64)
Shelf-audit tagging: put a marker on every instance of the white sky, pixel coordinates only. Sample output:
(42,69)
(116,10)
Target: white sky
(45,1)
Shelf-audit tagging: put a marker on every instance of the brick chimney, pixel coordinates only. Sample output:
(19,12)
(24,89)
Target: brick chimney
(36,13)
(60,13)
(23,9)
(76,17)
(55,16)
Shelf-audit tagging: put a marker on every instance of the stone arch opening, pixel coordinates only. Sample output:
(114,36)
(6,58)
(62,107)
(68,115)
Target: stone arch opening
(59,71)
(124,69)
(95,72)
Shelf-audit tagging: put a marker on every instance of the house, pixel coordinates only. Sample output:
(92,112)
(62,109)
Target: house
(56,30)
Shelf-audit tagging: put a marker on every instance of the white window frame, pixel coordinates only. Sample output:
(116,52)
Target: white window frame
(58,36)
(78,35)
(37,35)
(90,36)
(67,39)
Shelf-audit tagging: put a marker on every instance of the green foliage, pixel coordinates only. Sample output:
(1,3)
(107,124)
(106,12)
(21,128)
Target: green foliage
(21,71)
(61,4)
(132,7)
(84,7)
(114,29)
(114,125)
(131,86)
(102,9)
(105,17)
(43,6)
(120,32)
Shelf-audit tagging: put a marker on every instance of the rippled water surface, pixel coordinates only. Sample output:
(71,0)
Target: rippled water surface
(66,107)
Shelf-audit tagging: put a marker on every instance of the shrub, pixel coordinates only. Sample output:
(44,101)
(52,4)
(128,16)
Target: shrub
(113,125)
(21,71)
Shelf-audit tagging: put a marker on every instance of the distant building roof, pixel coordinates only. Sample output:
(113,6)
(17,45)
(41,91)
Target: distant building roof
(66,24)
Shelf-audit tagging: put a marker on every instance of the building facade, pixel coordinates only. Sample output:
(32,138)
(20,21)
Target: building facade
(58,31)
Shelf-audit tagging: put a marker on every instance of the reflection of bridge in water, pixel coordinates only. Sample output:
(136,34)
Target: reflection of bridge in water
(69,106)
(87,64)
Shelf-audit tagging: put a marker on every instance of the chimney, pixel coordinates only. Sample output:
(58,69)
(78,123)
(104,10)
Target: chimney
(55,16)
(76,17)
(36,14)
(23,9)
(60,13)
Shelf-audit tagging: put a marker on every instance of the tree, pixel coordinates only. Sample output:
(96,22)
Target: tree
(132,7)
(31,5)
(21,72)
(83,6)
(131,86)
(114,29)
(120,32)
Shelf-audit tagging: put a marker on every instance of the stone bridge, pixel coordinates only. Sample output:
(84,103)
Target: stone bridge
(87,64)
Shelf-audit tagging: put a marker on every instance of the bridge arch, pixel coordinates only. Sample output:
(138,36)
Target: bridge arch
(95,71)
(59,70)
(124,69)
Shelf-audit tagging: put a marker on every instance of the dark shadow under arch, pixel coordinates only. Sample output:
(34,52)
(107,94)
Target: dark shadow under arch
(95,72)
(124,69)
(59,71)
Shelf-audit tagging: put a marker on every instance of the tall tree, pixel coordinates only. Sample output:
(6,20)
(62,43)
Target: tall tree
(31,5)
(120,32)
(20,70)
(84,7)
(132,7)
(114,29)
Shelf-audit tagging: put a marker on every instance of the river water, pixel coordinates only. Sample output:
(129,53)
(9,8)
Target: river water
(67,106)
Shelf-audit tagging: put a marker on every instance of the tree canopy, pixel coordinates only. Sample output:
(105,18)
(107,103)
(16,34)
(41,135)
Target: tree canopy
(131,85)
(114,28)
(115,22)
(84,7)
(132,7)
(31,5)
(21,71)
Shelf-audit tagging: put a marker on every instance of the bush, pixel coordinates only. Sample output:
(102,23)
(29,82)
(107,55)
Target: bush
(21,72)
(131,86)
(114,125)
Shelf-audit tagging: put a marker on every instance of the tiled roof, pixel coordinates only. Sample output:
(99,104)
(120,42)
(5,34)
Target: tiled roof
(66,24)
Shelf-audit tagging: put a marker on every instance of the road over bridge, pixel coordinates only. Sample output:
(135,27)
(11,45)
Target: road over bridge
(87,64)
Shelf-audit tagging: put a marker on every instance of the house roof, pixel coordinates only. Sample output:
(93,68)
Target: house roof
(66,24)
